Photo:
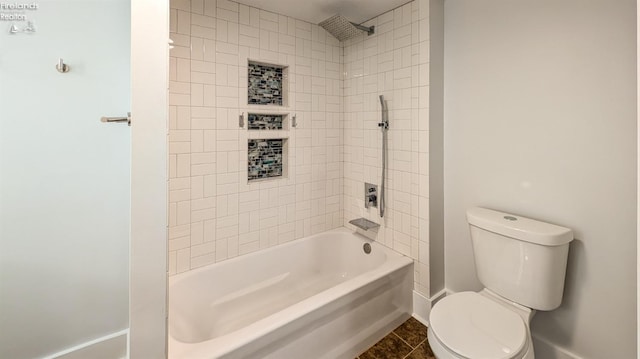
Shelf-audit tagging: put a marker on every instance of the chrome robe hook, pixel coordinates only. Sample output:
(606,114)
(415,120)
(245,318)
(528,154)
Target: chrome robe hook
(62,67)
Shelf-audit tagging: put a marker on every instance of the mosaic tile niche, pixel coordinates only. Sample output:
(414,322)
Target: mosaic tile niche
(258,121)
(266,158)
(266,84)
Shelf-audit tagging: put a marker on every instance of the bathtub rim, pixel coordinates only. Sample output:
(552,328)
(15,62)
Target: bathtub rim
(232,341)
(343,230)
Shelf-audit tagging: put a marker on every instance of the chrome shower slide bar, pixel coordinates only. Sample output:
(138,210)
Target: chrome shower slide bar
(384,125)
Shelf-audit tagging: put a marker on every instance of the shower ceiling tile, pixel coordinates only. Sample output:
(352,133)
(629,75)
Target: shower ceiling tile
(315,11)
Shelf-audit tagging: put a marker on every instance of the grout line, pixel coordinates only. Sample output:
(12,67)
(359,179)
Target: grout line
(411,352)
(399,6)
(404,341)
(414,349)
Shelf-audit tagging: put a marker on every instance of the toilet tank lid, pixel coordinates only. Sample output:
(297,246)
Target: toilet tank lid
(518,227)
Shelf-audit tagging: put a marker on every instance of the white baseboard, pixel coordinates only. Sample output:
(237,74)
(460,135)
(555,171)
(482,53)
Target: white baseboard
(546,349)
(112,346)
(422,305)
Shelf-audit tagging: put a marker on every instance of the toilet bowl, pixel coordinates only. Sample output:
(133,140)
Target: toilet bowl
(521,263)
(480,325)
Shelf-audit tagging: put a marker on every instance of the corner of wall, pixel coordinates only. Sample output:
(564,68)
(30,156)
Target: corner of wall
(546,349)
(148,243)
(436,145)
(422,305)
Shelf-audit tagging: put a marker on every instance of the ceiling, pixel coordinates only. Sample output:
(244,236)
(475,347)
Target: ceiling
(314,11)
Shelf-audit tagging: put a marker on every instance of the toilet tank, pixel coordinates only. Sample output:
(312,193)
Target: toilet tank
(518,258)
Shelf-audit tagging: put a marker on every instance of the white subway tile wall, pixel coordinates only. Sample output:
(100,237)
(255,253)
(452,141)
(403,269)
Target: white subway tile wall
(214,212)
(393,62)
(333,88)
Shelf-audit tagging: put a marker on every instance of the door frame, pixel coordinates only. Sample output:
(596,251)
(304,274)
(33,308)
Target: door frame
(149,176)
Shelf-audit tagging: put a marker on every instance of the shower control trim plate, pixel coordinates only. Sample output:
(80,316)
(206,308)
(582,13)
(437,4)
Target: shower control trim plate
(370,195)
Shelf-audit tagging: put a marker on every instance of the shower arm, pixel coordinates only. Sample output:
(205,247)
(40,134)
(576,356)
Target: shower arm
(370,30)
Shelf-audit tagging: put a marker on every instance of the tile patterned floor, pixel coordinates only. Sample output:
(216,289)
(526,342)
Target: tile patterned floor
(408,341)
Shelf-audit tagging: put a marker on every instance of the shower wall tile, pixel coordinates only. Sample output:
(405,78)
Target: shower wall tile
(393,62)
(214,212)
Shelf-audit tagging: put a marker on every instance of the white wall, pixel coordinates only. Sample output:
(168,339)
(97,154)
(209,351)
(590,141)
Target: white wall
(540,120)
(393,62)
(63,246)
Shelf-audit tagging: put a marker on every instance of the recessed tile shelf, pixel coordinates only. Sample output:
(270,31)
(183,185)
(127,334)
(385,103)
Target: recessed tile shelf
(266,158)
(262,121)
(266,84)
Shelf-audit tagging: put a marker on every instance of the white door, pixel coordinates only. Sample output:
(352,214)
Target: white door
(64,175)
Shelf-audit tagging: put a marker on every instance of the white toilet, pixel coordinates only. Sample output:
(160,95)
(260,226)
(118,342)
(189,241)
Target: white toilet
(522,263)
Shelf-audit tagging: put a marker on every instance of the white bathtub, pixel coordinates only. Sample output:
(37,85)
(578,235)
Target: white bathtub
(316,297)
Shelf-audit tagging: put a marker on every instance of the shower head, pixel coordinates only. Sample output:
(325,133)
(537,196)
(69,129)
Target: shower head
(383,103)
(384,124)
(343,29)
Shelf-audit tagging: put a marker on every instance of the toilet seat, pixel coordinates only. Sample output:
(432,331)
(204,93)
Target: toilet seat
(474,326)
